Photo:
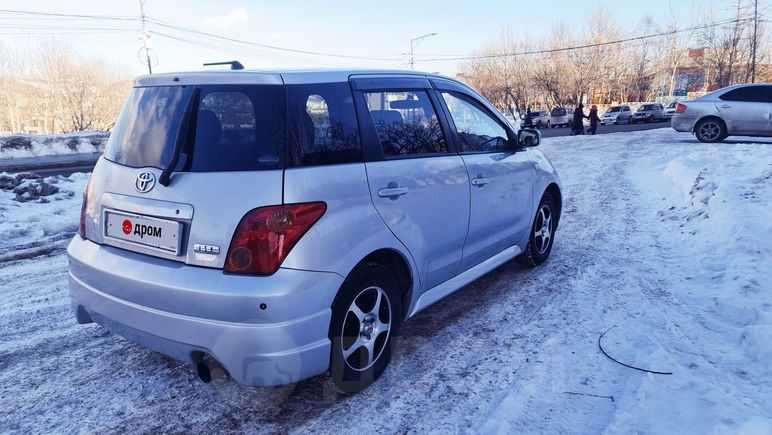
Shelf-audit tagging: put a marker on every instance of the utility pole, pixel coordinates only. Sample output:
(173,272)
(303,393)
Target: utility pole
(755,36)
(414,43)
(145,37)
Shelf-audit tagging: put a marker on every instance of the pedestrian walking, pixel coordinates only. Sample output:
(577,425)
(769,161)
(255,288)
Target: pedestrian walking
(593,119)
(577,125)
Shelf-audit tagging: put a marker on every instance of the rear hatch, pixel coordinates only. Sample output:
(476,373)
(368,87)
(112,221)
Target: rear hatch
(187,159)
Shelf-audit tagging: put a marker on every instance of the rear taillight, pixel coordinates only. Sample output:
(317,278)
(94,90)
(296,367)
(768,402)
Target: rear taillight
(83,206)
(266,235)
(680,108)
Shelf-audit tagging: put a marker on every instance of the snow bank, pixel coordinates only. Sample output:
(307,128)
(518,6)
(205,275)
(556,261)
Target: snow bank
(24,145)
(37,211)
(714,217)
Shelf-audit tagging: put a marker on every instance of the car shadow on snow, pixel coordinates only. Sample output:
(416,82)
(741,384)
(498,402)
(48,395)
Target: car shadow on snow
(462,313)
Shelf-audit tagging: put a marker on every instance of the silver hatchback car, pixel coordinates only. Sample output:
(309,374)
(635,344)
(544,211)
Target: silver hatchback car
(740,110)
(280,225)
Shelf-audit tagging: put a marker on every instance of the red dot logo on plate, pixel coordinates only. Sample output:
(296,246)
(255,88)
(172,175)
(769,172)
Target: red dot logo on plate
(126,226)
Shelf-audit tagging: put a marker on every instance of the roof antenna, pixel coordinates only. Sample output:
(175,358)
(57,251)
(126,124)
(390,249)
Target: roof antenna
(235,65)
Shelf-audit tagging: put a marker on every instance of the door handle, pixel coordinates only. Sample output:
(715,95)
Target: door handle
(480,181)
(725,106)
(393,191)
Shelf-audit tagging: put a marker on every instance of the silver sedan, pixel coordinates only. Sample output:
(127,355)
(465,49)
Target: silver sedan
(739,110)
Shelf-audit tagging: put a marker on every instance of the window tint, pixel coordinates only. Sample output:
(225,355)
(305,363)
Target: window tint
(406,123)
(147,127)
(614,109)
(477,130)
(754,94)
(238,128)
(323,126)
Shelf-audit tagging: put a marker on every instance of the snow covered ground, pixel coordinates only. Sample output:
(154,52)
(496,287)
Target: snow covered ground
(23,145)
(667,240)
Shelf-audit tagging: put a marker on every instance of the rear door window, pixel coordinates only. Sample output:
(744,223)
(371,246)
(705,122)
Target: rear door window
(323,126)
(406,123)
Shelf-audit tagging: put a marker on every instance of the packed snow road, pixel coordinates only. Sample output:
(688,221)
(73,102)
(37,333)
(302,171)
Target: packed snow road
(665,238)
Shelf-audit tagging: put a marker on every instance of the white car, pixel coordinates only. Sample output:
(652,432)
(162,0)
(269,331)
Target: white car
(561,117)
(670,110)
(617,115)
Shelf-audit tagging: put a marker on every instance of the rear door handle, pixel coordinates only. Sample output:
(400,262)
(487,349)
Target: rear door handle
(393,191)
(480,181)
(725,106)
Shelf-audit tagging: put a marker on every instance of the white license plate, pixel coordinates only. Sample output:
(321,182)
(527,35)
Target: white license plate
(143,230)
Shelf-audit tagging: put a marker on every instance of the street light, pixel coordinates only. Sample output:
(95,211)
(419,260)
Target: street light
(414,43)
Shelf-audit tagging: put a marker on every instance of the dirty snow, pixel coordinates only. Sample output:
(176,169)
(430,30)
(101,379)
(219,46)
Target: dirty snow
(24,145)
(667,240)
(36,212)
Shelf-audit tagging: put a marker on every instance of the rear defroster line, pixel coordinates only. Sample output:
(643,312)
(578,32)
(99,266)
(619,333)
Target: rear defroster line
(621,363)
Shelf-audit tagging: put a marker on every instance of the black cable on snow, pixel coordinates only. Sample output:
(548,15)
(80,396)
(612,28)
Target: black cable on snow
(621,363)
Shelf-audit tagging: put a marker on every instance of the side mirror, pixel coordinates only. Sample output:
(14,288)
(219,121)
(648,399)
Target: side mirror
(528,137)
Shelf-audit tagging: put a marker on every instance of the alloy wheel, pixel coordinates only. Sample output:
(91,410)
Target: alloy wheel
(543,229)
(366,328)
(709,130)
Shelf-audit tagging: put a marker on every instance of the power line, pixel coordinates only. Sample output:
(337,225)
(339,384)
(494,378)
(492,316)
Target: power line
(52,14)
(266,46)
(585,46)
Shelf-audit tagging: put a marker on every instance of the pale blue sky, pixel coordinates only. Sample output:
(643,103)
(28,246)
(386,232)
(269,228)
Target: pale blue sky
(365,28)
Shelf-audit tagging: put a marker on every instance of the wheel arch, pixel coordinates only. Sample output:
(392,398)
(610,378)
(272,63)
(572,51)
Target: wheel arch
(399,265)
(554,190)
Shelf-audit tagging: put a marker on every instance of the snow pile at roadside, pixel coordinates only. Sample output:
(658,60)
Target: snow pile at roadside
(37,211)
(714,221)
(23,145)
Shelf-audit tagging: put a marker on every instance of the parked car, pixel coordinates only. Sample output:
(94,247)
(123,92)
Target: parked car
(670,110)
(739,110)
(538,119)
(617,115)
(649,112)
(229,226)
(561,117)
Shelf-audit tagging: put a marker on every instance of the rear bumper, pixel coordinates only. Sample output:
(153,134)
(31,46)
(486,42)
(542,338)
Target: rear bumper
(682,124)
(187,311)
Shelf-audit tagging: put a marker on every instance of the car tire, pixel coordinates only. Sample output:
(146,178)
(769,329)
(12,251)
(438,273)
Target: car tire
(710,130)
(540,242)
(367,302)
(549,125)
(616,121)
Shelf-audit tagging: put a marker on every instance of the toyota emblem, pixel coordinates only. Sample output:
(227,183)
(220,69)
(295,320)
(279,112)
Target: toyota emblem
(145,182)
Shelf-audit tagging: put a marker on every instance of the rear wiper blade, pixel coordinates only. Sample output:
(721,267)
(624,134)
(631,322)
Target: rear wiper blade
(182,134)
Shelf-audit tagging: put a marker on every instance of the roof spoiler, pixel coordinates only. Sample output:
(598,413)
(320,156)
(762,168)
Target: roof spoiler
(235,65)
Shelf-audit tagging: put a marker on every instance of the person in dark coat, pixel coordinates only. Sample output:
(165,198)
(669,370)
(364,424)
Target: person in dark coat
(577,126)
(528,119)
(593,119)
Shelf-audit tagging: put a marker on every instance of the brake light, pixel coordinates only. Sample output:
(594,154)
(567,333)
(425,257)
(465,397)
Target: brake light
(83,206)
(680,108)
(266,235)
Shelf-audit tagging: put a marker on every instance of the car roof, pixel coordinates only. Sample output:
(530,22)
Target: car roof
(277,76)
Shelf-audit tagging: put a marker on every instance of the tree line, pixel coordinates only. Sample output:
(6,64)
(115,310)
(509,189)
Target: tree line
(707,54)
(47,87)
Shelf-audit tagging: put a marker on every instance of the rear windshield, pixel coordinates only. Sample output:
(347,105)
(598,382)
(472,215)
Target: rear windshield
(646,107)
(229,128)
(559,112)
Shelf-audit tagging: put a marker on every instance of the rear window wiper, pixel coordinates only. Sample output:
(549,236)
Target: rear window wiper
(182,134)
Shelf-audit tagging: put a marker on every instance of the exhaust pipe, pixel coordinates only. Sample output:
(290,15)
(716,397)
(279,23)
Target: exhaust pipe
(208,368)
